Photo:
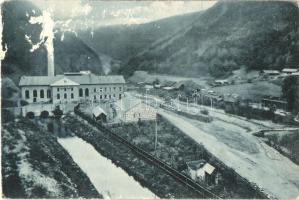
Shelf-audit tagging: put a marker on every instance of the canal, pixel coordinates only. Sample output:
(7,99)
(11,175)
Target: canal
(109,180)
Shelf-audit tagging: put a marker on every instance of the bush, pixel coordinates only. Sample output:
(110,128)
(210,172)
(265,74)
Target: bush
(24,103)
(7,116)
(44,114)
(8,103)
(57,112)
(204,112)
(30,115)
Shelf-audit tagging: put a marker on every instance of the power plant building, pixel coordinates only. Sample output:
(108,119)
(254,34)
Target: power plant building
(71,87)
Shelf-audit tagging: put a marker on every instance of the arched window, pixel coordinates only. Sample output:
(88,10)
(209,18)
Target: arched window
(65,95)
(27,96)
(48,93)
(42,94)
(86,92)
(34,93)
(80,92)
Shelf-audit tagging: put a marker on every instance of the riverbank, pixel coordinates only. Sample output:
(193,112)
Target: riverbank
(108,179)
(34,165)
(149,176)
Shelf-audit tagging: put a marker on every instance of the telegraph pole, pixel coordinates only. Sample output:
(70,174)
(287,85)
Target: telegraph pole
(156,135)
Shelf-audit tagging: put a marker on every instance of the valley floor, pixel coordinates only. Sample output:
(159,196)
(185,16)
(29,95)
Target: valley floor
(243,152)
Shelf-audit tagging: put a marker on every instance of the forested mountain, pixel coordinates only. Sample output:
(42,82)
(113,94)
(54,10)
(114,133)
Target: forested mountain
(71,54)
(124,41)
(229,35)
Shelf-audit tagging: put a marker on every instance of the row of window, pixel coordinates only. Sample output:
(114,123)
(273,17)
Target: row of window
(35,94)
(95,97)
(64,96)
(72,89)
(95,89)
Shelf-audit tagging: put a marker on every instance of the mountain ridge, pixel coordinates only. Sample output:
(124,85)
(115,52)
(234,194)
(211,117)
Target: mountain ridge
(227,36)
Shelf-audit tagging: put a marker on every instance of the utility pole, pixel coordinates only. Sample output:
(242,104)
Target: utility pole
(156,135)
(187,105)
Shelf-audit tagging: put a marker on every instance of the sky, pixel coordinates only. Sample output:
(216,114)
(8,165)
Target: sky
(88,13)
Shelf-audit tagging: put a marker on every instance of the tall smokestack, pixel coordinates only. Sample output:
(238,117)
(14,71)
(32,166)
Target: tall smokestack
(46,37)
(50,57)
(48,27)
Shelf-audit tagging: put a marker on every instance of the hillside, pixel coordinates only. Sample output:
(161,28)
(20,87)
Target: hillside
(71,54)
(229,35)
(123,41)
(34,165)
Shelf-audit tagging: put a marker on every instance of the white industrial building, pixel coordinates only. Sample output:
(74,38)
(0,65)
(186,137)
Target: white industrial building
(131,109)
(71,87)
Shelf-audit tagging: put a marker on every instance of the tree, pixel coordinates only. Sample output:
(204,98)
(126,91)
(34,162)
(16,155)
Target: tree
(7,116)
(30,115)
(24,103)
(44,114)
(290,91)
(57,112)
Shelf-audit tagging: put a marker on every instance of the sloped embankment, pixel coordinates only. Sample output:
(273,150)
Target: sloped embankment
(34,165)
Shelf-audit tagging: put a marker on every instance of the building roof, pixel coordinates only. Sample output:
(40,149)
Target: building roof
(196,164)
(127,103)
(289,70)
(82,79)
(271,71)
(96,111)
(208,168)
(64,82)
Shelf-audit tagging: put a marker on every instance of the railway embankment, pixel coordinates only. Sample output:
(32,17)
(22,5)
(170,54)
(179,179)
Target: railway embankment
(174,148)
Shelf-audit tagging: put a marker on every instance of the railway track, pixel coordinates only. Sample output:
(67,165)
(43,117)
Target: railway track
(201,190)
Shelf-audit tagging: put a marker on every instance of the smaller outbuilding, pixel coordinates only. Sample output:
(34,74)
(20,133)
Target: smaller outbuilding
(289,70)
(200,170)
(131,109)
(270,72)
(99,114)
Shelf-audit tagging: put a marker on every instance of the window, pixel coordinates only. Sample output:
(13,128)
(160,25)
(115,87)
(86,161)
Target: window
(119,96)
(64,89)
(113,95)
(41,94)
(27,96)
(94,97)
(86,92)
(94,90)
(101,89)
(48,93)
(105,96)
(109,96)
(72,95)
(34,93)
(105,89)
(72,89)
(119,88)
(114,88)
(58,96)
(57,89)
(110,89)
(80,92)
(101,97)
(65,95)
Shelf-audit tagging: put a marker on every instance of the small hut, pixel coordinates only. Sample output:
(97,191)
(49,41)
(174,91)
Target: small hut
(99,114)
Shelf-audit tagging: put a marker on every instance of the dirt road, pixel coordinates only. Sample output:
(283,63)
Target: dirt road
(260,164)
